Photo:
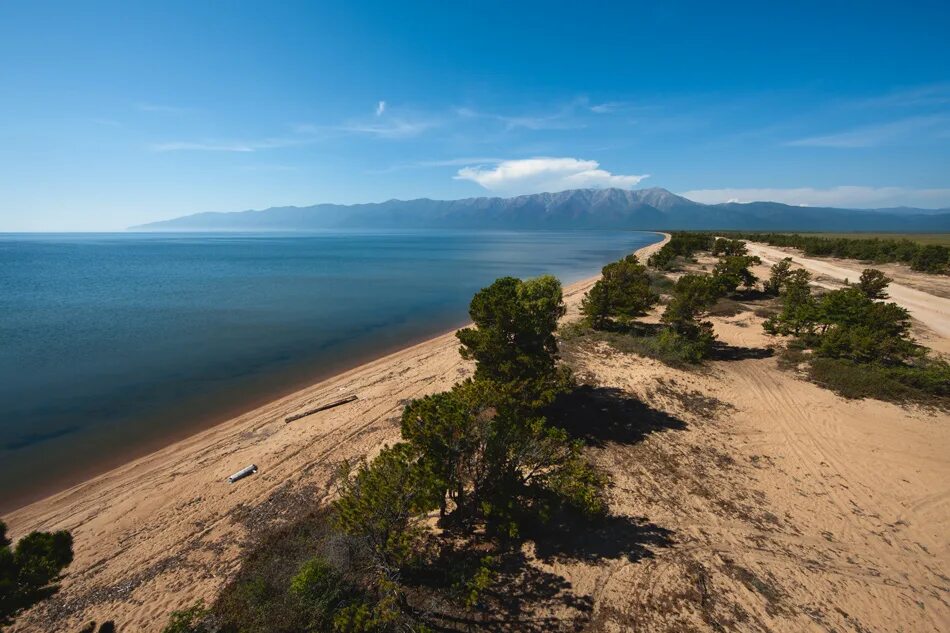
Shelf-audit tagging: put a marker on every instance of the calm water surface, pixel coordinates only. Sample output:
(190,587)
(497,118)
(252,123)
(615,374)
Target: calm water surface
(113,344)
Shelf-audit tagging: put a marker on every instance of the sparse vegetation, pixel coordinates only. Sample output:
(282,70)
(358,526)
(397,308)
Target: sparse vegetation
(682,245)
(482,454)
(861,345)
(923,257)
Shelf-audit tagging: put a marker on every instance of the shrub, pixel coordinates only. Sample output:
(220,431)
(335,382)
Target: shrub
(926,383)
(623,292)
(779,275)
(190,620)
(681,244)
(29,570)
(676,348)
(723,246)
(381,505)
(873,283)
(733,270)
(319,592)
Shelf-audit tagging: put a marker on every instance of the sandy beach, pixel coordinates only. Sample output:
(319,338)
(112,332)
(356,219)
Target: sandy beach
(764,501)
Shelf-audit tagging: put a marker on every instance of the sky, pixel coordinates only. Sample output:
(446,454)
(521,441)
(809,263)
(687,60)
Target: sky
(118,113)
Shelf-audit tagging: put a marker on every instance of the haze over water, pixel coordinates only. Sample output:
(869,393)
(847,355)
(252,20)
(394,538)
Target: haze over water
(113,344)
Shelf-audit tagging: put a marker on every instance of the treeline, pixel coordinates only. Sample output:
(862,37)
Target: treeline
(929,258)
(859,344)
(477,466)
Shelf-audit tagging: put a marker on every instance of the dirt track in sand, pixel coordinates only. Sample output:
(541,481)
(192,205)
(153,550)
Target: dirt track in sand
(931,310)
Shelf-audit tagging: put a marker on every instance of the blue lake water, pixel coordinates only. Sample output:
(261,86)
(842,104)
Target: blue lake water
(113,344)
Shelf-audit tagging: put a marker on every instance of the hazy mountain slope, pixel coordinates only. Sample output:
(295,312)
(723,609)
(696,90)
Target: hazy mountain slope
(579,208)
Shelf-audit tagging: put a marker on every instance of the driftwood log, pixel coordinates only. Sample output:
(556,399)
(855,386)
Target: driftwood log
(322,407)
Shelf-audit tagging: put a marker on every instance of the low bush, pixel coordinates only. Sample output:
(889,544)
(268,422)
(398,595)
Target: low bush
(927,383)
(30,569)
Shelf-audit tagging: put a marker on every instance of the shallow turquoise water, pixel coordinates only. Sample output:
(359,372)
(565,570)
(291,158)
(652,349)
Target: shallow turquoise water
(111,344)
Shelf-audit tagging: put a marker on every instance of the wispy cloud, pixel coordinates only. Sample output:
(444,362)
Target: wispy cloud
(610,107)
(234,146)
(388,129)
(306,134)
(380,108)
(160,108)
(534,175)
(561,118)
(879,134)
(445,162)
(935,94)
(844,196)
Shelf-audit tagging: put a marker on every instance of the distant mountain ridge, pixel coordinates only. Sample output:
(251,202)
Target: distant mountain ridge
(643,209)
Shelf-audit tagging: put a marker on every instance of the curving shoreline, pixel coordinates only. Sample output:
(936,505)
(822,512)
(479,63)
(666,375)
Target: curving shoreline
(165,529)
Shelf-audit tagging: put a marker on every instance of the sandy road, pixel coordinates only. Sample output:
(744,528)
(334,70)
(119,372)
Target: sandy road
(932,311)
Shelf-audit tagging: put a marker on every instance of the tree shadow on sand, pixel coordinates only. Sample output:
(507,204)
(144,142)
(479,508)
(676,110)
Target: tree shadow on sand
(722,351)
(600,415)
(569,536)
(522,597)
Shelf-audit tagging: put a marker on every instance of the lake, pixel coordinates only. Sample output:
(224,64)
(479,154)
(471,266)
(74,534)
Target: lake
(112,345)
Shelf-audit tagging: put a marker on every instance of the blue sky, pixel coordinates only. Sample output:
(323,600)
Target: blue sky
(117,113)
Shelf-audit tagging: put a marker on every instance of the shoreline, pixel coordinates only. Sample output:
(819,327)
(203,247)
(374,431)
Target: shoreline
(202,424)
(164,530)
(746,474)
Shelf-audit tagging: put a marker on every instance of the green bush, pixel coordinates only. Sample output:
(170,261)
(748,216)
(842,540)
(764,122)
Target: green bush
(926,383)
(680,349)
(382,503)
(681,245)
(733,271)
(873,284)
(29,570)
(931,258)
(622,293)
(190,620)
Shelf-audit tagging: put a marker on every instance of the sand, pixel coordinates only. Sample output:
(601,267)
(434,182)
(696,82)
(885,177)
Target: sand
(746,499)
(925,306)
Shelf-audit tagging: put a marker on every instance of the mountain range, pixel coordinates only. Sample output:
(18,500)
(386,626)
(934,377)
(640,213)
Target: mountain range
(643,209)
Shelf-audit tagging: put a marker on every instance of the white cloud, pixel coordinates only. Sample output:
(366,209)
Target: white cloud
(533,175)
(380,108)
(875,135)
(847,196)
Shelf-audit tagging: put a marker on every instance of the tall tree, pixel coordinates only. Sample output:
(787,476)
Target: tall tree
(513,343)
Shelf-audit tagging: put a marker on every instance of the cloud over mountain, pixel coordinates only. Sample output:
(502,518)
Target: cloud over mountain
(533,175)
